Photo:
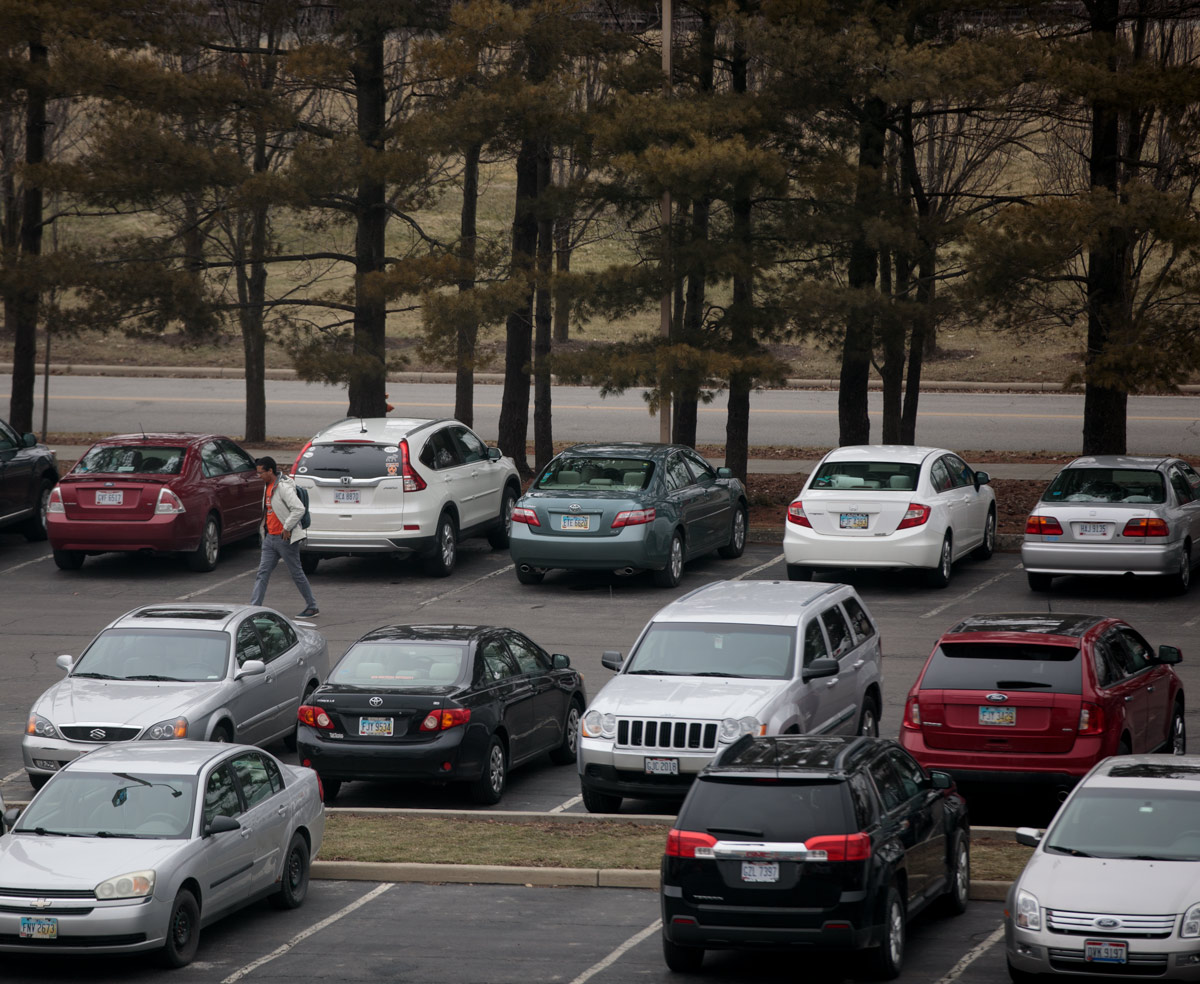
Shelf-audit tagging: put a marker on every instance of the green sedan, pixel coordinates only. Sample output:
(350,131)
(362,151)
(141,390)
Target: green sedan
(627,508)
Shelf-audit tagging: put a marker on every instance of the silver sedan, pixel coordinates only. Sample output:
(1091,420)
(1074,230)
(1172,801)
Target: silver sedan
(1116,514)
(137,846)
(167,672)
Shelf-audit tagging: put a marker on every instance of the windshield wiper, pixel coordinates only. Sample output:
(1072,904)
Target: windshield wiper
(98,676)
(735,830)
(1073,851)
(1018,684)
(719,673)
(652,673)
(44,832)
(153,676)
(109,833)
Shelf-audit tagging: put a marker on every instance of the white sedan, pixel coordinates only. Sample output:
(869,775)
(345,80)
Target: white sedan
(890,506)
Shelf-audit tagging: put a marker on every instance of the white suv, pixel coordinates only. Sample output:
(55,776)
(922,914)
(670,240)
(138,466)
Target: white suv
(403,486)
(729,659)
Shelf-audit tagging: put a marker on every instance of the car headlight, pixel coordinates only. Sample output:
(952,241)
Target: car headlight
(166,730)
(1190,928)
(135,885)
(1028,914)
(733,728)
(40,727)
(597,725)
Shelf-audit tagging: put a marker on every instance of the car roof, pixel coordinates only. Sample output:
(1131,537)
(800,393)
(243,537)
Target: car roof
(1141,771)
(158,438)
(151,756)
(378,430)
(425,633)
(623,449)
(183,616)
(800,756)
(1119,461)
(1071,626)
(748,602)
(884,452)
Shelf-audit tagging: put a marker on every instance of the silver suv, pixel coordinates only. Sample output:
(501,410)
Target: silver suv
(729,659)
(403,486)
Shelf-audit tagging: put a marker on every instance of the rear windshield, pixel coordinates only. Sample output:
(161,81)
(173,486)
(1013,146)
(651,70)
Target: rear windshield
(578,472)
(1106,485)
(353,460)
(715,649)
(766,809)
(1004,666)
(1143,822)
(894,476)
(187,655)
(135,460)
(400,664)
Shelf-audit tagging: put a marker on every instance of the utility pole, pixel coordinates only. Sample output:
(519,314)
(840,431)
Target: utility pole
(664,382)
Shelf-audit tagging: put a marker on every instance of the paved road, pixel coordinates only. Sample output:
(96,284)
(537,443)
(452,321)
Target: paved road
(998,421)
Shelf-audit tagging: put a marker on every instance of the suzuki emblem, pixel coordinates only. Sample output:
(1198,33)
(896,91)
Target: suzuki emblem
(997,698)
(97,733)
(375,701)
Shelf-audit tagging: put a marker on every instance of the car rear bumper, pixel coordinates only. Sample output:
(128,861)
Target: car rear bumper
(843,927)
(1100,558)
(106,928)
(446,758)
(342,543)
(161,534)
(629,548)
(1008,767)
(919,547)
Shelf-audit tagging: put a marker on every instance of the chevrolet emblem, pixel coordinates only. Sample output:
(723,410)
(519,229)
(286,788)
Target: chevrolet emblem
(40,904)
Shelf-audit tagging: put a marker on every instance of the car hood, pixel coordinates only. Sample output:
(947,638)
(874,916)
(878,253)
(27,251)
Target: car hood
(1111,885)
(681,696)
(141,703)
(29,861)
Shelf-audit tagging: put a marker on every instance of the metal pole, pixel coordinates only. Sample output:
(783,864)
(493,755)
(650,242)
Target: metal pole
(664,387)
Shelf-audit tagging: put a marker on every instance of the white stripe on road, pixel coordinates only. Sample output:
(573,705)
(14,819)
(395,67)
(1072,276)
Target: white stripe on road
(213,587)
(761,567)
(17,567)
(1191,622)
(971,956)
(463,587)
(619,952)
(567,805)
(237,975)
(14,775)
(974,591)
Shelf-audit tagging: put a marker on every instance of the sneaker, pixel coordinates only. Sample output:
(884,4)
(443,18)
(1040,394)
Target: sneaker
(310,612)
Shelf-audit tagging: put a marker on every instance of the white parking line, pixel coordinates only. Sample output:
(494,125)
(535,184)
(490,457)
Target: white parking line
(463,587)
(213,587)
(761,567)
(974,591)
(567,805)
(1191,622)
(620,951)
(17,567)
(377,891)
(971,956)
(13,775)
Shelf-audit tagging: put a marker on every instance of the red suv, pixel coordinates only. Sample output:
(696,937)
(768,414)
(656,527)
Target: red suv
(1039,697)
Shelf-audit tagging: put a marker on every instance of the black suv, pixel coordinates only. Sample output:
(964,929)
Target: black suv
(28,471)
(831,842)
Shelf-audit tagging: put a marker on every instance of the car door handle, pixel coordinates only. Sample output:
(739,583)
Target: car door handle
(1150,689)
(858,664)
(282,811)
(831,683)
(245,832)
(1129,698)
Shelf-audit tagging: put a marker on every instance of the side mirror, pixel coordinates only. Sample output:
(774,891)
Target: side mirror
(724,472)
(64,662)
(221,824)
(29,441)
(11,816)
(610,659)
(1169,655)
(822,667)
(1029,836)
(941,780)
(981,478)
(560,662)
(495,454)
(252,667)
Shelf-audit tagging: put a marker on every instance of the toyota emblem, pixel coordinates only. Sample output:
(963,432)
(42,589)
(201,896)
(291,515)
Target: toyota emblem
(574,507)
(375,701)
(997,698)
(97,734)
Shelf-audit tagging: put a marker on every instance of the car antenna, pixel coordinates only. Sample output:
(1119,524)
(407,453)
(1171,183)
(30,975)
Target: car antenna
(363,424)
(143,429)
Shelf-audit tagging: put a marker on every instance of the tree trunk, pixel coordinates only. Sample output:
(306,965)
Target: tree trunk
(254,312)
(562,263)
(923,324)
(892,369)
(742,321)
(468,334)
(543,431)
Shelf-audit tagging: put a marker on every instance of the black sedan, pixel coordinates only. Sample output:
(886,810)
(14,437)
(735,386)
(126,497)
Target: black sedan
(28,471)
(441,703)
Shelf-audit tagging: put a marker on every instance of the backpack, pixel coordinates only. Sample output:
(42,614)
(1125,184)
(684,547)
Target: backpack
(306,519)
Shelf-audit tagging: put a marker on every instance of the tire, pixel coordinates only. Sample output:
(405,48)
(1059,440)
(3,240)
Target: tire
(672,574)
(69,560)
(502,532)
(309,562)
(868,720)
(1021,976)
(222,734)
(958,893)
(183,931)
(440,563)
(1179,582)
(1177,738)
(886,960)
(290,740)
(34,528)
(1124,748)
(331,788)
(293,885)
(204,557)
(1039,582)
(939,577)
(37,781)
(737,537)
(565,753)
(531,576)
(796,572)
(595,802)
(489,787)
(682,959)
(988,546)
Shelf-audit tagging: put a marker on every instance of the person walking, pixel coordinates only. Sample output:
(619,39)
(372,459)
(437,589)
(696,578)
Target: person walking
(281,534)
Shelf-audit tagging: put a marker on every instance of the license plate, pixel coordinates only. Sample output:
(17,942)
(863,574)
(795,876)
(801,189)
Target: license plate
(998,715)
(110,498)
(575,523)
(1093,529)
(1105,951)
(853,521)
(342,497)
(662,767)
(375,727)
(760,871)
(39,929)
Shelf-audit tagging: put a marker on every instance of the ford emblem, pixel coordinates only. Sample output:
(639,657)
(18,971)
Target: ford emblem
(997,698)
(1108,922)
(375,701)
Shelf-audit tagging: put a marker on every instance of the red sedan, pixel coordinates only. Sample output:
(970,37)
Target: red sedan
(156,493)
(1041,698)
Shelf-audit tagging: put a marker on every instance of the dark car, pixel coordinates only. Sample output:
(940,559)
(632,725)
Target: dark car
(441,703)
(1040,698)
(28,471)
(155,493)
(794,842)
(627,508)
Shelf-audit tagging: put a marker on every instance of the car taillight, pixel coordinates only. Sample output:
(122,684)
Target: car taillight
(1091,719)
(840,847)
(690,844)
(320,787)
(795,514)
(915,515)
(412,481)
(528,516)
(1037,525)
(296,463)
(314,717)
(450,717)
(55,504)
(912,715)
(168,503)
(1145,527)
(633,517)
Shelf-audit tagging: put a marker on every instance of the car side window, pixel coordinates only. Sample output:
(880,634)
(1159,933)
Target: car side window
(940,477)
(912,776)
(859,619)
(239,460)
(960,472)
(220,795)
(866,807)
(212,461)
(840,639)
(252,776)
(678,476)
(440,451)
(276,635)
(470,448)
(276,777)
(814,642)
(1183,489)
(249,646)
(8,438)
(1139,649)
(702,471)
(1107,670)
(1193,478)
(1129,660)
(496,661)
(528,656)
(887,782)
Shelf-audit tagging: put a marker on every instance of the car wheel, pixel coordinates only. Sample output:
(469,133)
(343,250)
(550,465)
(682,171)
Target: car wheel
(958,894)
(69,560)
(887,959)
(1021,976)
(502,532)
(797,572)
(737,535)
(682,959)
(183,931)
(1039,582)
(988,546)
(1124,748)
(204,557)
(868,720)
(309,562)
(37,781)
(293,886)
(489,787)
(597,802)
(1177,740)
(564,754)
(330,789)
(1181,580)
(222,734)
(672,574)
(440,563)
(34,528)
(939,577)
(529,575)
(290,739)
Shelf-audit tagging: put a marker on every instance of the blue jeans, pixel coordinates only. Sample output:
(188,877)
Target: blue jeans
(275,548)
